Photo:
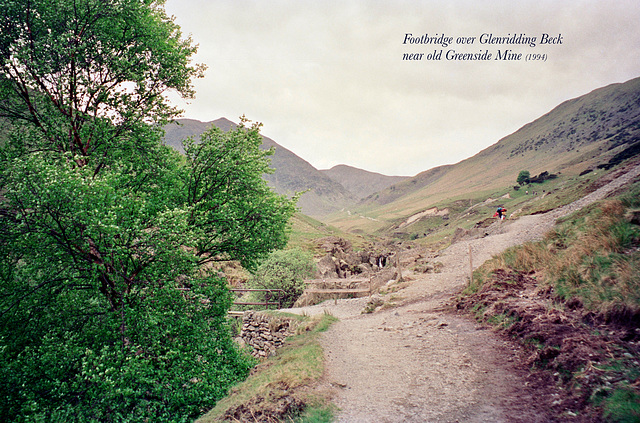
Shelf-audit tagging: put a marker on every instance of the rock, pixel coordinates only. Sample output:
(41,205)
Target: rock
(327,267)
(265,333)
(341,261)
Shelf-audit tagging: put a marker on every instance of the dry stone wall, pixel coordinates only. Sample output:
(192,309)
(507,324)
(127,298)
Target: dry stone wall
(265,333)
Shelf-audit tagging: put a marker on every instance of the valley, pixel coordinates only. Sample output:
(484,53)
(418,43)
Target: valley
(413,352)
(165,269)
(437,343)
(572,140)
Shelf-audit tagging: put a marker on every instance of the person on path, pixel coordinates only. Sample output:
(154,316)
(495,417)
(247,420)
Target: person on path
(500,213)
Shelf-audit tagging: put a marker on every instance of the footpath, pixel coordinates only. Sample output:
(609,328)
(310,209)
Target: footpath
(419,362)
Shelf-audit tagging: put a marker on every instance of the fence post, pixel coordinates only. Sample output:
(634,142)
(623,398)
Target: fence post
(398,267)
(470,266)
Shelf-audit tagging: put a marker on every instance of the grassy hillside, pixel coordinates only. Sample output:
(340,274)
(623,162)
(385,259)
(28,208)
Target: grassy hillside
(279,388)
(573,301)
(576,136)
(438,225)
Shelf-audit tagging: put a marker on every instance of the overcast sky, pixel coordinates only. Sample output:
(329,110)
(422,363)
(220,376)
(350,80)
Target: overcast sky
(328,80)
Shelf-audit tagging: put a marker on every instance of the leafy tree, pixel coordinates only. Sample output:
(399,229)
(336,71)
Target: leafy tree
(107,311)
(286,270)
(90,74)
(523,177)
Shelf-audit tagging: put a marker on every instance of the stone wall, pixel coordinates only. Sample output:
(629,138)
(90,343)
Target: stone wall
(265,332)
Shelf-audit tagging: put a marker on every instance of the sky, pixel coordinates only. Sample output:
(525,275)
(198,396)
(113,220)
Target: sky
(333,81)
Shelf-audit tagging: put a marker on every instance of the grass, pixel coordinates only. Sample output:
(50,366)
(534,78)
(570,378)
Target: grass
(468,211)
(623,406)
(598,262)
(306,232)
(592,255)
(501,320)
(284,377)
(480,200)
(591,258)
(317,414)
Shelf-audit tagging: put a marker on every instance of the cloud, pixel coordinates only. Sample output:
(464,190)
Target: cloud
(328,81)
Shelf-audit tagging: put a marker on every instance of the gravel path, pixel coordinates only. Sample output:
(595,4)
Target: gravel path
(417,363)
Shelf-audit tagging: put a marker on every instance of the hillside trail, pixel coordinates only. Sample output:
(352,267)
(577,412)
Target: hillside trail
(418,362)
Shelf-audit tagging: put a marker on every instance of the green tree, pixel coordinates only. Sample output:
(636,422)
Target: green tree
(90,74)
(107,311)
(523,177)
(285,270)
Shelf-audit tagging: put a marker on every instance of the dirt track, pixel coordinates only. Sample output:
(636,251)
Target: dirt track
(419,363)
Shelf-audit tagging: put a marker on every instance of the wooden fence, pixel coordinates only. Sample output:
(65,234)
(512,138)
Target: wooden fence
(268,301)
(277,301)
(335,290)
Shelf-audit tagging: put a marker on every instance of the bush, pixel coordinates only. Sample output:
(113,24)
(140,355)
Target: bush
(523,177)
(286,270)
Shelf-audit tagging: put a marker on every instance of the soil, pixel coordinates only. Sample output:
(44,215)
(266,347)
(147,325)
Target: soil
(417,360)
(567,347)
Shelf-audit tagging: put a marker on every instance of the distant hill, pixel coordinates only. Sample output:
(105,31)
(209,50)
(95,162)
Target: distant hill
(578,135)
(292,173)
(361,183)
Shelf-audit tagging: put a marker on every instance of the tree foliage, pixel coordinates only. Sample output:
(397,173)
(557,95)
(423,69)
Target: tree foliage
(87,73)
(107,310)
(523,177)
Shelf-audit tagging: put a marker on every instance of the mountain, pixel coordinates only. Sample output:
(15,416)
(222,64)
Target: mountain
(361,183)
(292,173)
(576,136)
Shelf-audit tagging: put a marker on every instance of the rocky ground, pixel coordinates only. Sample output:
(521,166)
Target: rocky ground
(418,361)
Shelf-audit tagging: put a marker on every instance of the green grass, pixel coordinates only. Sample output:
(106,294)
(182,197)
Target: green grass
(501,320)
(620,401)
(467,208)
(297,365)
(467,212)
(307,231)
(623,406)
(317,414)
(592,255)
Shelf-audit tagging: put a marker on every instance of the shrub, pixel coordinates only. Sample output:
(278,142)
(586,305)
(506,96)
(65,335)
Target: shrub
(523,177)
(285,270)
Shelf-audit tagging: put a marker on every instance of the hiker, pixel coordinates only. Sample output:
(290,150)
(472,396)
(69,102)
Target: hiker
(500,213)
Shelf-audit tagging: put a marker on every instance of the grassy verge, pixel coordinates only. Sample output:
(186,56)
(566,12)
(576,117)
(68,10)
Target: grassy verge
(573,299)
(591,260)
(279,388)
